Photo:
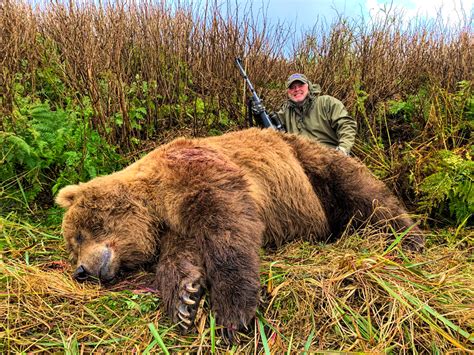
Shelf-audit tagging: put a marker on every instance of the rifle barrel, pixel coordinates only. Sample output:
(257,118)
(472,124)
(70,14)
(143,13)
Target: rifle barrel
(263,115)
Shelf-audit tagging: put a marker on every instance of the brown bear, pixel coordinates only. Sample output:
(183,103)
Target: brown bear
(200,209)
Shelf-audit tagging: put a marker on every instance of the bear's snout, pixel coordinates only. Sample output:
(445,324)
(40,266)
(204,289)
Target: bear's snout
(81,274)
(95,263)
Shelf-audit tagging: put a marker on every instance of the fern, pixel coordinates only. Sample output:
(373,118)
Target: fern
(15,148)
(51,148)
(449,187)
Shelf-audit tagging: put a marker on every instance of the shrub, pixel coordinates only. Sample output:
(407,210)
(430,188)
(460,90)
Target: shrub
(448,190)
(44,149)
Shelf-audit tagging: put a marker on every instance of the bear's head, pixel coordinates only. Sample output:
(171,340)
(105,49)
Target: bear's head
(107,229)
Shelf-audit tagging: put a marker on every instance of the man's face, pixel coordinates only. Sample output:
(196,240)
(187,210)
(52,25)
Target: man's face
(298,91)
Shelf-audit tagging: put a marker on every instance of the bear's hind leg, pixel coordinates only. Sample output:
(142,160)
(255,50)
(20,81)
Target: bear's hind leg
(348,189)
(180,277)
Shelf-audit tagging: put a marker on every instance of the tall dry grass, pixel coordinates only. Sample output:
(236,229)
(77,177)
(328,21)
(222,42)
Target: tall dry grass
(185,54)
(357,295)
(102,49)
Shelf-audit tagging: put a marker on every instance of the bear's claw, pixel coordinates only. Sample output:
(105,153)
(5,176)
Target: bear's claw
(187,300)
(189,287)
(184,319)
(188,304)
(182,309)
(230,335)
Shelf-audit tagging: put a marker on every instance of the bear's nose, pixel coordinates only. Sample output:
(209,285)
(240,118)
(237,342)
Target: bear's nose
(81,274)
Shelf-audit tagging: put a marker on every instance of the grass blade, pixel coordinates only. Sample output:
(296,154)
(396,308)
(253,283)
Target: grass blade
(261,328)
(414,308)
(158,338)
(307,345)
(398,238)
(212,321)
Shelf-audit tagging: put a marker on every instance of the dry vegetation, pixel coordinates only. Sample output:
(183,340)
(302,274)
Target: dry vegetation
(143,72)
(102,51)
(355,295)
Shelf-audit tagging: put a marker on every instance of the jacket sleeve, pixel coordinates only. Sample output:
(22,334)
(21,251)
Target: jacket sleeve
(344,125)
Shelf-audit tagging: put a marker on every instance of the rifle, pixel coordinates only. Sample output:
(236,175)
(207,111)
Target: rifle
(258,107)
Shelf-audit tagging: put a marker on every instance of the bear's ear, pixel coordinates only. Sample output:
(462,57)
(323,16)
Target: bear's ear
(67,195)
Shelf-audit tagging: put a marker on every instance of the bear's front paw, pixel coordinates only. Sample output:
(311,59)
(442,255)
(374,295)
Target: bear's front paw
(185,309)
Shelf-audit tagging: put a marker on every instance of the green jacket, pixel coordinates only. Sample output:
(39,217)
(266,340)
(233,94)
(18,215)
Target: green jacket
(322,118)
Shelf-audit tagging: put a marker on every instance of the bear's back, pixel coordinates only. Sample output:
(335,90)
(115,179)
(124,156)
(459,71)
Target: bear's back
(284,197)
(279,185)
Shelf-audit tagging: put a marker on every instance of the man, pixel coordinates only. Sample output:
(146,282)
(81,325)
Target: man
(319,117)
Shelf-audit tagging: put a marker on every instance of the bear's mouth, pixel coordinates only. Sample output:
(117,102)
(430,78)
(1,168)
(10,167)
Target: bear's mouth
(109,270)
(124,273)
(96,267)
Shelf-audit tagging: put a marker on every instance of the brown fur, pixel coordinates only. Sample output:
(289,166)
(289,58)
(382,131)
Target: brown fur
(204,207)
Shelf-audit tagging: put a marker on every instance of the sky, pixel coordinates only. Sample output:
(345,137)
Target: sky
(305,12)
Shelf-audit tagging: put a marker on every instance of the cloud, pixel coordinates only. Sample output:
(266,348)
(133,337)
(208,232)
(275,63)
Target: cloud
(450,11)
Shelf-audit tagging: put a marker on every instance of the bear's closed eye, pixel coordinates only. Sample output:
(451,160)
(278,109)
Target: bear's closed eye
(79,238)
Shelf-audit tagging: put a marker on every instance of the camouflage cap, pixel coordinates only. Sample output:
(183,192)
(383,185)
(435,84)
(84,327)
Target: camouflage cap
(296,77)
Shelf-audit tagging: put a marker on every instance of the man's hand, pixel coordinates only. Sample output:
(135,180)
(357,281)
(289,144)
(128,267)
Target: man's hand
(256,107)
(342,150)
(276,121)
